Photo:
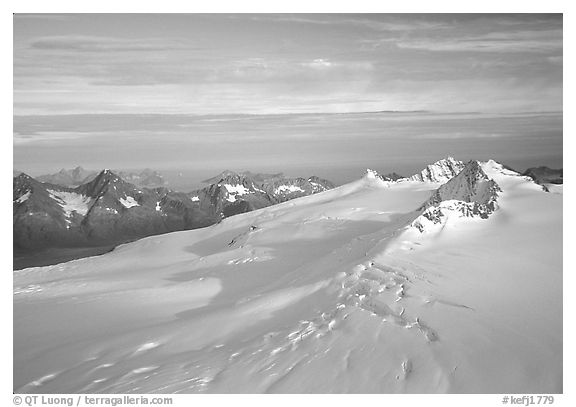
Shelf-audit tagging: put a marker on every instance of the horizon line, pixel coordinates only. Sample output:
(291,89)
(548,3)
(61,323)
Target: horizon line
(291,113)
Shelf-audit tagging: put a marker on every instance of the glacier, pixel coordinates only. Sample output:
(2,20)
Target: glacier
(336,292)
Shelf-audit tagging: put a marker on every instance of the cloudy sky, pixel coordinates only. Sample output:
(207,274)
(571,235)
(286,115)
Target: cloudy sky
(205,64)
(135,91)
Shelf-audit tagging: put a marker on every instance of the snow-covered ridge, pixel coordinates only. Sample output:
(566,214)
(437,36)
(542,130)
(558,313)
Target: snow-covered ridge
(440,171)
(471,193)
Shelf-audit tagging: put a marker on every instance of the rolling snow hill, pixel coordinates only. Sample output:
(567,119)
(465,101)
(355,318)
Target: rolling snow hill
(337,292)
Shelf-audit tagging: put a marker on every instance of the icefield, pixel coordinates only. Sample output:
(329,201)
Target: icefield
(336,292)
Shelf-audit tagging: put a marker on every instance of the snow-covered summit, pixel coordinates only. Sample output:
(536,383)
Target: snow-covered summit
(371,174)
(440,171)
(471,185)
(471,193)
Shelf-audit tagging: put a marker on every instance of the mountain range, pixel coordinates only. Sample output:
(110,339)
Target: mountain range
(78,176)
(110,210)
(256,177)
(545,175)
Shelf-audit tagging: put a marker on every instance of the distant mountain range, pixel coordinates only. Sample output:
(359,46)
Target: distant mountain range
(256,177)
(545,175)
(108,209)
(78,176)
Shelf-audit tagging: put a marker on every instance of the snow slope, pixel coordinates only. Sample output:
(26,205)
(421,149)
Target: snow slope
(334,292)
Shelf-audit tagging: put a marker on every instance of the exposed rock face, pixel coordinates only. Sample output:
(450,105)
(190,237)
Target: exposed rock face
(231,195)
(441,171)
(109,210)
(320,184)
(40,215)
(392,176)
(469,194)
(290,188)
(106,210)
(237,193)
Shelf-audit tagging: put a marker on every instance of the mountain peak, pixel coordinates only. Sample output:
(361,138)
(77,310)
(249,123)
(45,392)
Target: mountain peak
(371,174)
(235,179)
(440,171)
(107,175)
(22,176)
(470,193)
(219,177)
(98,185)
(471,185)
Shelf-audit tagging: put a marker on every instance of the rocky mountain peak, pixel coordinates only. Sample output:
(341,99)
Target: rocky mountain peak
(22,184)
(22,177)
(233,178)
(440,171)
(103,181)
(320,184)
(471,185)
(471,193)
(392,176)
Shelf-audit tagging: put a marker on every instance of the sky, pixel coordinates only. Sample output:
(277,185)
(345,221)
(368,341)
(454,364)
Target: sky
(84,85)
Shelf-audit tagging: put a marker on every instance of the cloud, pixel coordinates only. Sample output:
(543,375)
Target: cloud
(517,41)
(282,63)
(50,16)
(458,135)
(83,43)
(318,63)
(45,137)
(375,22)
(555,60)
(280,73)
